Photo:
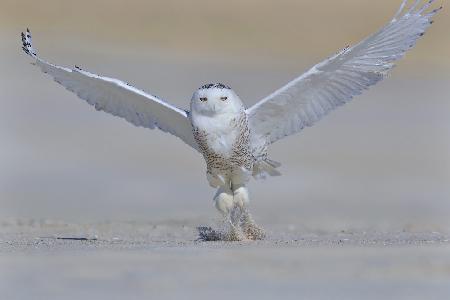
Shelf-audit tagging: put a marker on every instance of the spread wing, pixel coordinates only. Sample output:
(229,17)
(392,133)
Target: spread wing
(335,81)
(118,98)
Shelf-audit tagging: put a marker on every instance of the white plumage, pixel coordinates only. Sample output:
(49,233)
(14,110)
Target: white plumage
(234,140)
(117,97)
(335,81)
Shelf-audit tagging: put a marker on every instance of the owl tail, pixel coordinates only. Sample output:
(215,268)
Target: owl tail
(264,168)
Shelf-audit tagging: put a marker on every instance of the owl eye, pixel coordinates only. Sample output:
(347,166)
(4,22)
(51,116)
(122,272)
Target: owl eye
(223,98)
(203,99)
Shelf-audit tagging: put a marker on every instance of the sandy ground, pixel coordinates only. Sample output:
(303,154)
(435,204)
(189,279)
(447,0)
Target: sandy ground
(117,260)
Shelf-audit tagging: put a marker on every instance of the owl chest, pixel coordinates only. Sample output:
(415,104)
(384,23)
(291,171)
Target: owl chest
(225,145)
(217,137)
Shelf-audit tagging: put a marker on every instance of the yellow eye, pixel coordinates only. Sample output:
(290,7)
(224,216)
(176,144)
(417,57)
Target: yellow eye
(203,99)
(223,98)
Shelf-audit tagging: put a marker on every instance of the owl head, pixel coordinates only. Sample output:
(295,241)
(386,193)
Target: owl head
(215,98)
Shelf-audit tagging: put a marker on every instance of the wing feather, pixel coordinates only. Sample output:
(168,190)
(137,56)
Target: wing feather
(335,81)
(118,98)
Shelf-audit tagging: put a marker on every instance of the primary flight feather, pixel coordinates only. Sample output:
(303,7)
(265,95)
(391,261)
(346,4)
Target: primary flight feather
(234,140)
(335,81)
(117,97)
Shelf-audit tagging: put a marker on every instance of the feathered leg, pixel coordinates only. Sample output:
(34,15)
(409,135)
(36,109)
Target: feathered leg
(224,203)
(223,200)
(231,200)
(244,219)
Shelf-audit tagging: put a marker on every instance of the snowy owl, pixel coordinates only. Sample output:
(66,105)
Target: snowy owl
(234,140)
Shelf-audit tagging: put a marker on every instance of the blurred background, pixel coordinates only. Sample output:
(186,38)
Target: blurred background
(382,162)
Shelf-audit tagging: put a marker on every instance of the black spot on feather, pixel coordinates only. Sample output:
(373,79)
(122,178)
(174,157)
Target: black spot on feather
(215,86)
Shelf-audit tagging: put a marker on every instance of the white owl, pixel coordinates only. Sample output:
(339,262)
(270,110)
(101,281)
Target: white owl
(234,140)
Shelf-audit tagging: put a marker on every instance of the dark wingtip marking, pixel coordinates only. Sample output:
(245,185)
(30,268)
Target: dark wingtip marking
(26,43)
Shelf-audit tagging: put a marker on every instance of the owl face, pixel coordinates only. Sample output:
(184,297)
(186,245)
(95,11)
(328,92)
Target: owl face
(214,99)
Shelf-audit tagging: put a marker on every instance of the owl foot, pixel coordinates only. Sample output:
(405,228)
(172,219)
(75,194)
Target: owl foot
(235,234)
(243,227)
(251,230)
